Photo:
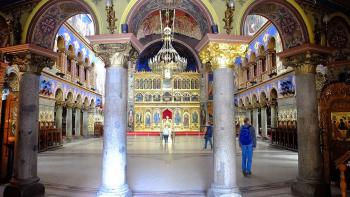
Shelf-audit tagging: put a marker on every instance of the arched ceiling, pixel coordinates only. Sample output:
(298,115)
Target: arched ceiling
(191,7)
(152,50)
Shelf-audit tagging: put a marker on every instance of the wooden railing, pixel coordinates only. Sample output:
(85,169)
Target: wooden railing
(285,138)
(49,136)
(341,164)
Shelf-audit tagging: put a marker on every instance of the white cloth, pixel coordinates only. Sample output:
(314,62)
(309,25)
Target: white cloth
(166,131)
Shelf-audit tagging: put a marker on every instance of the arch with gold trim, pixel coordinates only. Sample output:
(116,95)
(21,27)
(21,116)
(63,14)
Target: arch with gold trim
(289,5)
(48,15)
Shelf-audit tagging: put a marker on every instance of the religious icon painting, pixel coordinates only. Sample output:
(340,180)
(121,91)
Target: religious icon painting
(340,126)
(156,118)
(148,119)
(177,117)
(186,120)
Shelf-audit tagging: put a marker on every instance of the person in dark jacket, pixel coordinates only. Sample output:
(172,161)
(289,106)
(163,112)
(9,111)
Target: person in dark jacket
(247,142)
(208,136)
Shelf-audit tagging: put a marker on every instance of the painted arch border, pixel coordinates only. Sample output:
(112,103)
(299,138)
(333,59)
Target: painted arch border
(247,5)
(206,4)
(42,3)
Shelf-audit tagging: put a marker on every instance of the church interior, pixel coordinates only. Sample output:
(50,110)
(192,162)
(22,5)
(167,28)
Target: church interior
(91,90)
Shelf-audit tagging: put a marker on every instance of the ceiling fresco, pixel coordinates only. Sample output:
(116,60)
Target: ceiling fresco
(185,24)
(187,6)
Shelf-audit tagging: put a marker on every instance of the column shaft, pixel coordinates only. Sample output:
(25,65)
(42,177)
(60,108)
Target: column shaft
(224,135)
(25,181)
(77,122)
(58,120)
(69,123)
(273,116)
(85,123)
(309,180)
(264,122)
(256,120)
(114,138)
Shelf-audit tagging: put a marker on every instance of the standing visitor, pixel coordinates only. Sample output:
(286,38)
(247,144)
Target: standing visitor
(166,132)
(247,142)
(208,135)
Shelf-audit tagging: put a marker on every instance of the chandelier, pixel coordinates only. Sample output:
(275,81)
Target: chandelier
(167,61)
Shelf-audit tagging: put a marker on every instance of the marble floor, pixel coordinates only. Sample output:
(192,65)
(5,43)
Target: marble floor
(180,169)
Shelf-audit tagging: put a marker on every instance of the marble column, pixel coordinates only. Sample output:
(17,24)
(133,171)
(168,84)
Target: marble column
(77,122)
(264,122)
(273,116)
(69,122)
(310,177)
(221,57)
(85,123)
(115,124)
(58,119)
(225,182)
(256,120)
(25,181)
(248,114)
(91,113)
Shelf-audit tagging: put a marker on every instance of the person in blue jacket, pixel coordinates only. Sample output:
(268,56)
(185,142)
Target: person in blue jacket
(247,142)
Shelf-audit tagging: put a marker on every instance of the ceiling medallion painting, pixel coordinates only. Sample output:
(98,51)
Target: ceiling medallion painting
(289,26)
(189,7)
(184,24)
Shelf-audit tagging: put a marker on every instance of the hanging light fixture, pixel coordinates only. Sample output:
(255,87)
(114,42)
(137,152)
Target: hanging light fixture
(167,61)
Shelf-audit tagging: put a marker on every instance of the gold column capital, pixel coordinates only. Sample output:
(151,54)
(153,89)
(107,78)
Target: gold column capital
(222,55)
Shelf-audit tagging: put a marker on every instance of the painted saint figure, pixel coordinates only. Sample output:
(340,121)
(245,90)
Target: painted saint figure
(177,118)
(156,118)
(148,120)
(195,117)
(186,120)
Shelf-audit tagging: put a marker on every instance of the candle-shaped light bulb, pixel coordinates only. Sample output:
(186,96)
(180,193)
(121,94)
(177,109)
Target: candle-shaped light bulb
(108,3)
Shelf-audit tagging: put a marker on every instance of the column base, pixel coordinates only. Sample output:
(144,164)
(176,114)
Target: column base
(123,191)
(34,189)
(217,191)
(310,188)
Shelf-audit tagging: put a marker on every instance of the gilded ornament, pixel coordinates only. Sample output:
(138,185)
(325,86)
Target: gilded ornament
(222,55)
(305,69)
(111,19)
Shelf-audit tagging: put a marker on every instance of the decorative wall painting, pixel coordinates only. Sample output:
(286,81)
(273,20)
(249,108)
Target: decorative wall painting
(341,126)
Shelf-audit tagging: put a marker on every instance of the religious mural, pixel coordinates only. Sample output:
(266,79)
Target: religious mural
(340,126)
(253,23)
(184,24)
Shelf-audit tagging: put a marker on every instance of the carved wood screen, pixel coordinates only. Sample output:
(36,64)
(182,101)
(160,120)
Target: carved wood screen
(334,99)
(10,128)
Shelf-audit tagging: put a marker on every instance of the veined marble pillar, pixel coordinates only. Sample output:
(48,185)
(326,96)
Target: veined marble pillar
(58,119)
(225,182)
(91,113)
(85,123)
(273,116)
(25,181)
(114,138)
(264,122)
(248,114)
(256,120)
(310,177)
(221,57)
(77,122)
(69,122)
